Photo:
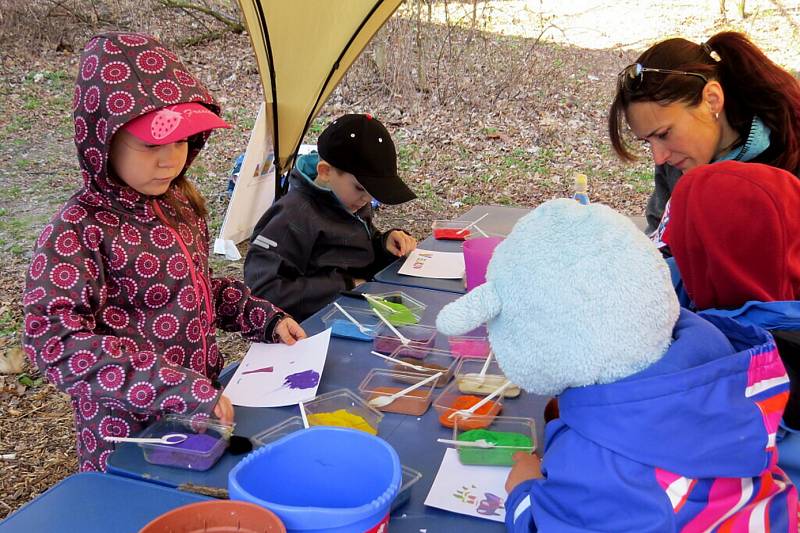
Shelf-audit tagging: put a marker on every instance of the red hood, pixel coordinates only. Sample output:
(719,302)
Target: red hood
(734,230)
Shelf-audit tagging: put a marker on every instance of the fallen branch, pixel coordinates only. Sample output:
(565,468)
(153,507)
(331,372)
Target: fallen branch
(233,25)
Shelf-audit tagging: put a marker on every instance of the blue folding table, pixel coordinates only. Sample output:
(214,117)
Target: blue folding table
(92,502)
(499,221)
(347,363)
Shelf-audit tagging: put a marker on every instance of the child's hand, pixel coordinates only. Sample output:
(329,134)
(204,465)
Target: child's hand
(526,466)
(224,410)
(289,331)
(400,243)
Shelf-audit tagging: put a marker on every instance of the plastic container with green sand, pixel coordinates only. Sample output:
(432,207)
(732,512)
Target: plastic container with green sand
(497,441)
(397,307)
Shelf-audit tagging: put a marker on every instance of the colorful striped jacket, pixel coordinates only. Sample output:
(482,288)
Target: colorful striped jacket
(687,444)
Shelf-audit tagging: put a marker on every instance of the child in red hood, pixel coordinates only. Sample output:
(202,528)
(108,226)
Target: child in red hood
(734,233)
(120,306)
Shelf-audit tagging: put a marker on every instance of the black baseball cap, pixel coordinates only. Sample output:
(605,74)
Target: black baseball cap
(361,145)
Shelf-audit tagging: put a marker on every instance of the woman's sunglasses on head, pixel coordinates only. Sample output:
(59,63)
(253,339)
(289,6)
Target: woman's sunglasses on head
(632,76)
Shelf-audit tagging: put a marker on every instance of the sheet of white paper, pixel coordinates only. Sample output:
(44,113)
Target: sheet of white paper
(471,490)
(430,264)
(272,375)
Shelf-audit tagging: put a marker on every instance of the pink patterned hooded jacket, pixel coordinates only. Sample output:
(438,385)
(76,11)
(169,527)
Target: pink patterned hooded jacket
(120,306)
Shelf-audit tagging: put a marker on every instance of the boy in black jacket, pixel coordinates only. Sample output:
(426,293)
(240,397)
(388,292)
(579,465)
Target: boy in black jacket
(319,239)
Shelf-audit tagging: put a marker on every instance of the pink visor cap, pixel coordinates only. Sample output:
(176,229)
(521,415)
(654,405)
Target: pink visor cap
(174,123)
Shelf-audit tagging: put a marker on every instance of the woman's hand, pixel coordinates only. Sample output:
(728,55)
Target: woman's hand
(400,243)
(289,331)
(224,410)
(526,466)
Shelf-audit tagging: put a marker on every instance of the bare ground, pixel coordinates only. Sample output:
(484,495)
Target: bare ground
(502,116)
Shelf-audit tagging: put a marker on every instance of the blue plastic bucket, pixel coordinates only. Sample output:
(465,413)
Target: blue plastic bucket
(329,479)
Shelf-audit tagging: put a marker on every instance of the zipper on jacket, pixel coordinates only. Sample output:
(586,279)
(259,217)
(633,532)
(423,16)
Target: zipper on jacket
(200,290)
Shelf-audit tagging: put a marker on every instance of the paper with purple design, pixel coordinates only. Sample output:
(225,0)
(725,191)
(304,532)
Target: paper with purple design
(477,491)
(272,375)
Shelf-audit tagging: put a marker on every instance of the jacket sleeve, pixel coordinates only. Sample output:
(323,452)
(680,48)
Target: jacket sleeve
(666,177)
(277,262)
(238,310)
(587,487)
(66,291)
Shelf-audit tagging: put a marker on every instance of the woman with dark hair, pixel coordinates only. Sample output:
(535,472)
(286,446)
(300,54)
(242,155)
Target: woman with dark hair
(697,104)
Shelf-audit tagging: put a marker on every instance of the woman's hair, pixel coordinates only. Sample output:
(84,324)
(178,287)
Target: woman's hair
(753,86)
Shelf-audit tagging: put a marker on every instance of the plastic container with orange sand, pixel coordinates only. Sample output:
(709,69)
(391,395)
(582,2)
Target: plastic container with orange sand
(452,400)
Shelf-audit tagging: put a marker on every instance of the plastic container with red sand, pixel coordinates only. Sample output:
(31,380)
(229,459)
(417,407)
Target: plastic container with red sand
(451,230)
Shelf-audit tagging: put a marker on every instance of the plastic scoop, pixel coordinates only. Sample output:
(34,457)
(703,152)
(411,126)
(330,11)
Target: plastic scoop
(482,376)
(303,415)
(481,443)
(383,401)
(466,413)
(465,228)
(361,328)
(400,336)
(171,438)
(399,362)
(377,301)
(479,230)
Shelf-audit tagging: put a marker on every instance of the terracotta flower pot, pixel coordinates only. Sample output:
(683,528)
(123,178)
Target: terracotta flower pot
(219,516)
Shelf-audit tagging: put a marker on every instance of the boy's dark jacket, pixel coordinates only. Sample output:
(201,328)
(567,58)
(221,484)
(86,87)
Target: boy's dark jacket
(321,247)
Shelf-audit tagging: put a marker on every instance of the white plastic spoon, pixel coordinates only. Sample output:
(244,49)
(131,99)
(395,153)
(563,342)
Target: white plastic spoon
(481,443)
(303,414)
(399,362)
(171,438)
(482,375)
(361,328)
(465,228)
(466,413)
(383,401)
(479,230)
(400,336)
(377,301)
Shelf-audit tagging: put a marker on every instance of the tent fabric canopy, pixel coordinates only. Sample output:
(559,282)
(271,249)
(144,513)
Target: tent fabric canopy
(303,49)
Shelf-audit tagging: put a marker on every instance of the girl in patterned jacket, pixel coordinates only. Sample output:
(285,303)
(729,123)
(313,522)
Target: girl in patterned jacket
(120,306)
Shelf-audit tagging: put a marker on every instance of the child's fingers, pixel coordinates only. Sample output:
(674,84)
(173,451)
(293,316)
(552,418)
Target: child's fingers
(224,410)
(297,331)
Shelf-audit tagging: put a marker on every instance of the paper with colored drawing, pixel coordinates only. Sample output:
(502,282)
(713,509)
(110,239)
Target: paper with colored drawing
(430,264)
(272,375)
(471,490)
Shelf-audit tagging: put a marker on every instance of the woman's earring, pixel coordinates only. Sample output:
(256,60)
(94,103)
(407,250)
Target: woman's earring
(716,116)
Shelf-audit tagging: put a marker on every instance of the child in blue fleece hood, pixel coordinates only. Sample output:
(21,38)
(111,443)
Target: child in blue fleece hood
(667,420)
